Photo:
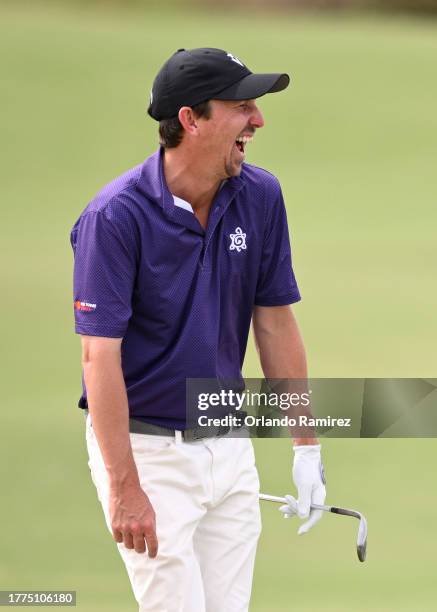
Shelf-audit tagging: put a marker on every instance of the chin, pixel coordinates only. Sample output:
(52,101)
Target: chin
(233,170)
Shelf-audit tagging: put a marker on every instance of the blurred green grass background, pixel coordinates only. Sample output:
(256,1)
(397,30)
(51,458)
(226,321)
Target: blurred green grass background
(353,143)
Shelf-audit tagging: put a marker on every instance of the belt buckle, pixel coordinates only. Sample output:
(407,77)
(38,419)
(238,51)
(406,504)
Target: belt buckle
(200,433)
(217,431)
(223,430)
(189,435)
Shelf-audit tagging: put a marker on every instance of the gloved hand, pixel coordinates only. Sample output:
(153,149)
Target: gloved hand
(309,479)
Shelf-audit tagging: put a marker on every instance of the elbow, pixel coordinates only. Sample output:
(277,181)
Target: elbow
(86,355)
(97,350)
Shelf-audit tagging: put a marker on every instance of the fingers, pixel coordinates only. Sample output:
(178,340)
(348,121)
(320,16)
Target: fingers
(133,520)
(152,541)
(290,508)
(143,535)
(128,540)
(286,511)
(315,516)
(140,539)
(292,503)
(304,501)
(117,535)
(318,497)
(137,542)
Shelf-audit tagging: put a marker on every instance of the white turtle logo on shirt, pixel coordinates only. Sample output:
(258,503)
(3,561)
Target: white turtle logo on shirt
(238,240)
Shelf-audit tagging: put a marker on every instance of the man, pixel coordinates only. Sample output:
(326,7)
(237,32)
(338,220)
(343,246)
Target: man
(172,261)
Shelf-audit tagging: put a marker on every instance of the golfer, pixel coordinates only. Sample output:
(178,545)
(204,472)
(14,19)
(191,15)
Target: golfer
(173,260)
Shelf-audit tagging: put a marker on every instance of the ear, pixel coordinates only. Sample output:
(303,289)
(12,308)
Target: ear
(188,120)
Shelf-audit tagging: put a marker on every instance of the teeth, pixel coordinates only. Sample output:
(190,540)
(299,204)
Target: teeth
(244,139)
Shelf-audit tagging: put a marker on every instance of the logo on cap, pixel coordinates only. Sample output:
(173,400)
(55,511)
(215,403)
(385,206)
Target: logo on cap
(235,59)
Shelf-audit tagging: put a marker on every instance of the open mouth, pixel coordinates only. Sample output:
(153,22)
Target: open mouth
(242,141)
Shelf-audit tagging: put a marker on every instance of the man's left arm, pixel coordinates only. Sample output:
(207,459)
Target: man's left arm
(282,356)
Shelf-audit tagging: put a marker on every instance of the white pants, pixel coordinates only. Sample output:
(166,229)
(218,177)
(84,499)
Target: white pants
(205,497)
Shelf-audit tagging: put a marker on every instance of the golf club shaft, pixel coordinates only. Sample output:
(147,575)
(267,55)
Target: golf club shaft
(282,500)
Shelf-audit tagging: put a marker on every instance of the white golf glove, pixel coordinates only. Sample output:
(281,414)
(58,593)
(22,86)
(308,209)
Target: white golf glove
(309,479)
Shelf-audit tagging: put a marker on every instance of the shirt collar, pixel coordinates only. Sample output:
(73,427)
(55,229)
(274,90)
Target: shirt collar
(153,185)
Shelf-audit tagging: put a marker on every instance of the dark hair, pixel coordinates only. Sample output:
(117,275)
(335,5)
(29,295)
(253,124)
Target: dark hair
(171,130)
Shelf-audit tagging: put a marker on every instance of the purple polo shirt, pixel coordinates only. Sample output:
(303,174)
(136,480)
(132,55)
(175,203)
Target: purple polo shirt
(181,297)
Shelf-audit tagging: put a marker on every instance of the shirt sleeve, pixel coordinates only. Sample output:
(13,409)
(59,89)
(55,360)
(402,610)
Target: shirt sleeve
(105,267)
(277,284)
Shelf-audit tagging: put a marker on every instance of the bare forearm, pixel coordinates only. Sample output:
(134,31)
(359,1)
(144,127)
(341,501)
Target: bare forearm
(281,349)
(279,343)
(108,406)
(280,346)
(132,515)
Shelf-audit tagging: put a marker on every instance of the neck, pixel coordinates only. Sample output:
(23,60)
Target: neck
(188,178)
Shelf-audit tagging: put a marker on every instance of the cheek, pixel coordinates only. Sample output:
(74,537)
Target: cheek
(222,144)
(220,139)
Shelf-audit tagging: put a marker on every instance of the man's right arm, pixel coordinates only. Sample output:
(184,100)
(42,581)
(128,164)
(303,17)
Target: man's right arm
(132,515)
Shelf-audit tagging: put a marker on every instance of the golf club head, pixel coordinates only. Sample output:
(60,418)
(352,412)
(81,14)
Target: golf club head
(362,528)
(362,539)
(361,551)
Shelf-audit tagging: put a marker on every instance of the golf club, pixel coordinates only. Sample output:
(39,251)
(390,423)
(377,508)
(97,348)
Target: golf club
(362,528)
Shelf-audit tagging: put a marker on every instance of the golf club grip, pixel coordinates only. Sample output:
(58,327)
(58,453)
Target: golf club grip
(333,509)
(282,500)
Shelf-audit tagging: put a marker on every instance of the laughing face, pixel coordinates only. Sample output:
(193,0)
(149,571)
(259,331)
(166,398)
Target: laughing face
(225,135)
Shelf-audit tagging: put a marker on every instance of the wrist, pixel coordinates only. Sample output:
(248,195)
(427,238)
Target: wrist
(121,482)
(305,442)
(307,450)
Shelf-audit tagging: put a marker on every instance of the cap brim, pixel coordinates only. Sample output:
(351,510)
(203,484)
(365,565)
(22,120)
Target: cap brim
(254,86)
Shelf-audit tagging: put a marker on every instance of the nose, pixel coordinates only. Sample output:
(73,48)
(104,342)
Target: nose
(256,119)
